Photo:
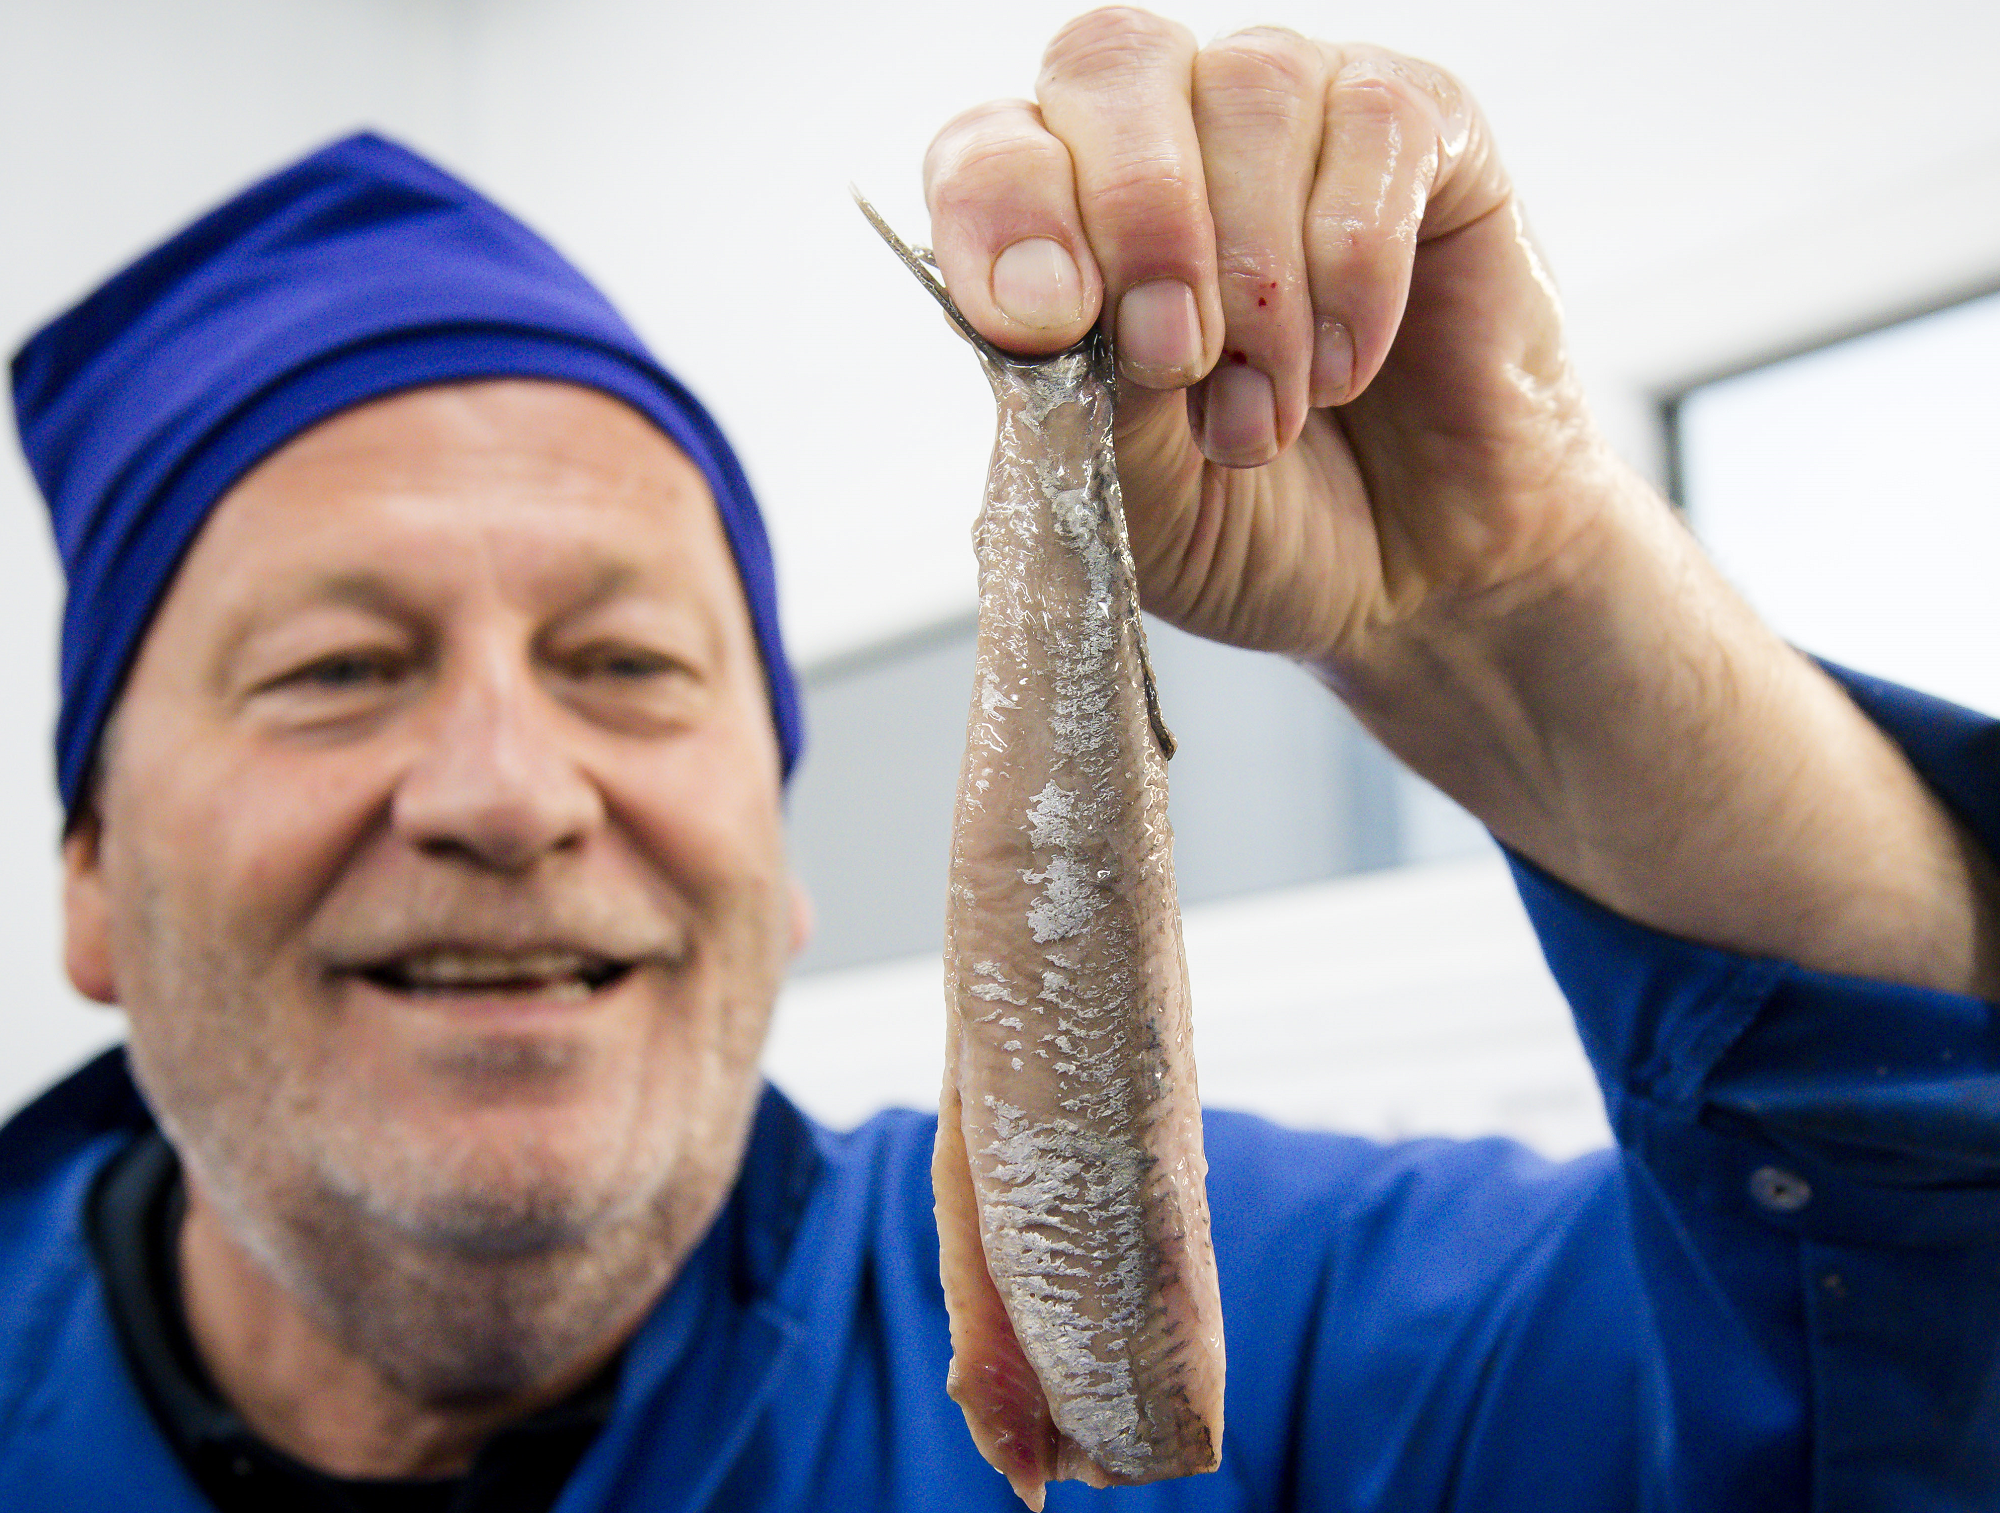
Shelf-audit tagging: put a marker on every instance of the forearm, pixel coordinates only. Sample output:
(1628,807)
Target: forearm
(1628,724)
(1392,461)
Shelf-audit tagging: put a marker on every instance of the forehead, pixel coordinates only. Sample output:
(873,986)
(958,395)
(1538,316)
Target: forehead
(543,484)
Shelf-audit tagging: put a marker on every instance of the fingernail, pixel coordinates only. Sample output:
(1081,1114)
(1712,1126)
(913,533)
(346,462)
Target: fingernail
(1333,363)
(1240,421)
(1159,332)
(1035,282)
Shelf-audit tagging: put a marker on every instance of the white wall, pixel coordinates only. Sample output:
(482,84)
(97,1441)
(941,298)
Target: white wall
(1710,179)
(1853,495)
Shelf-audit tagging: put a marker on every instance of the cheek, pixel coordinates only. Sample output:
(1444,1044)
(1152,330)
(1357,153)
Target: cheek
(709,821)
(707,812)
(226,857)
(276,829)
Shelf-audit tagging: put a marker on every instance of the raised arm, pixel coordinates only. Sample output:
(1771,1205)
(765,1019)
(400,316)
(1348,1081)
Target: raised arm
(1350,434)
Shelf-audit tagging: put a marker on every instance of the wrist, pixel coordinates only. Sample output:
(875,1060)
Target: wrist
(1580,560)
(1625,721)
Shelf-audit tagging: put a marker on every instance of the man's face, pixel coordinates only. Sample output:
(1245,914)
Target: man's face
(437,856)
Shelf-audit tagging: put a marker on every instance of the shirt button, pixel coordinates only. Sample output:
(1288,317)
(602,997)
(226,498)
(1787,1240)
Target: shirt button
(1778,1190)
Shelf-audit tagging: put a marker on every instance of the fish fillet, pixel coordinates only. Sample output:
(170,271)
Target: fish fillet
(1072,1214)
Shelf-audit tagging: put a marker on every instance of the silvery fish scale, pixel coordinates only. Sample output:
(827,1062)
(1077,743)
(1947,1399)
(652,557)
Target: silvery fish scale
(1073,1220)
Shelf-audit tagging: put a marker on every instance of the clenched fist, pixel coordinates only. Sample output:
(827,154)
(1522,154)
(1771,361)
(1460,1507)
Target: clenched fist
(1347,399)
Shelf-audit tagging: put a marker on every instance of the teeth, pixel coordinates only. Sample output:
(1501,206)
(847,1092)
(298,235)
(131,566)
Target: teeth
(564,971)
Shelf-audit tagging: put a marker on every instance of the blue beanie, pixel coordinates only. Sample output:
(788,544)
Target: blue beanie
(359,272)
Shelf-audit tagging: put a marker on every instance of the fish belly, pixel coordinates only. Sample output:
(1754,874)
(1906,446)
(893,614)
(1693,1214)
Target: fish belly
(1072,1213)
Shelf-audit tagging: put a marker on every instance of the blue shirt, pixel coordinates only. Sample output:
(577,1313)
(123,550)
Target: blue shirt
(1781,1291)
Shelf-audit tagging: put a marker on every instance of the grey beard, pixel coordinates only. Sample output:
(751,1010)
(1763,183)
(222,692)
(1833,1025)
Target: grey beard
(498,1297)
(454,1283)
(492,1304)
(453,1327)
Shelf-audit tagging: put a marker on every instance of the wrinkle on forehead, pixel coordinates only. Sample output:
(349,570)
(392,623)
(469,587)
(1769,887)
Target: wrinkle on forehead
(578,499)
(533,444)
(536,429)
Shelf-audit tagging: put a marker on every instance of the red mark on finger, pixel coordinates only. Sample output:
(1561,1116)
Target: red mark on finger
(1238,357)
(1261,302)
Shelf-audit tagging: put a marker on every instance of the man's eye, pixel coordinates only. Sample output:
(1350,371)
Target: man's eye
(622,663)
(346,670)
(639,687)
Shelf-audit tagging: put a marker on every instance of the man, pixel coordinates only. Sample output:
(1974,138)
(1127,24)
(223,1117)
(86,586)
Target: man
(424,725)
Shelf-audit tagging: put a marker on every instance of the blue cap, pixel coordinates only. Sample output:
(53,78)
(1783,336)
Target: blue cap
(359,272)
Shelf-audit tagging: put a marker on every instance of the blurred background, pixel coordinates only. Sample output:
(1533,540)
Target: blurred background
(1745,204)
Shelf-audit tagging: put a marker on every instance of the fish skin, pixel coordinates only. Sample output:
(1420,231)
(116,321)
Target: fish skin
(1070,1120)
(1069,1176)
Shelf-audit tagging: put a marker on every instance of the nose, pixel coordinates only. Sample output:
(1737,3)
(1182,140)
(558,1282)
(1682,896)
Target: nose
(496,782)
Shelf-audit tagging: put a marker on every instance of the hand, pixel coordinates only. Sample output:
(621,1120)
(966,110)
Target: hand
(1350,434)
(1347,404)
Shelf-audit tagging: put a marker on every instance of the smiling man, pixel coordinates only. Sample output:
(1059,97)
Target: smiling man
(423,736)
(456,702)
(424,732)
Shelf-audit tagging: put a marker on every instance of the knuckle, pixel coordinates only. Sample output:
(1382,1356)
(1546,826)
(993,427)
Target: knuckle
(1373,101)
(991,120)
(1345,236)
(1429,81)
(1111,42)
(1259,278)
(1263,59)
(1149,188)
(1393,82)
(1249,267)
(989,142)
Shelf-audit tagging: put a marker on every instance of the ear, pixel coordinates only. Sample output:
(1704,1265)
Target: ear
(802,915)
(87,911)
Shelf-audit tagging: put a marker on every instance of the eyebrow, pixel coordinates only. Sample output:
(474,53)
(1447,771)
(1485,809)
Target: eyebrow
(357,590)
(370,591)
(362,591)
